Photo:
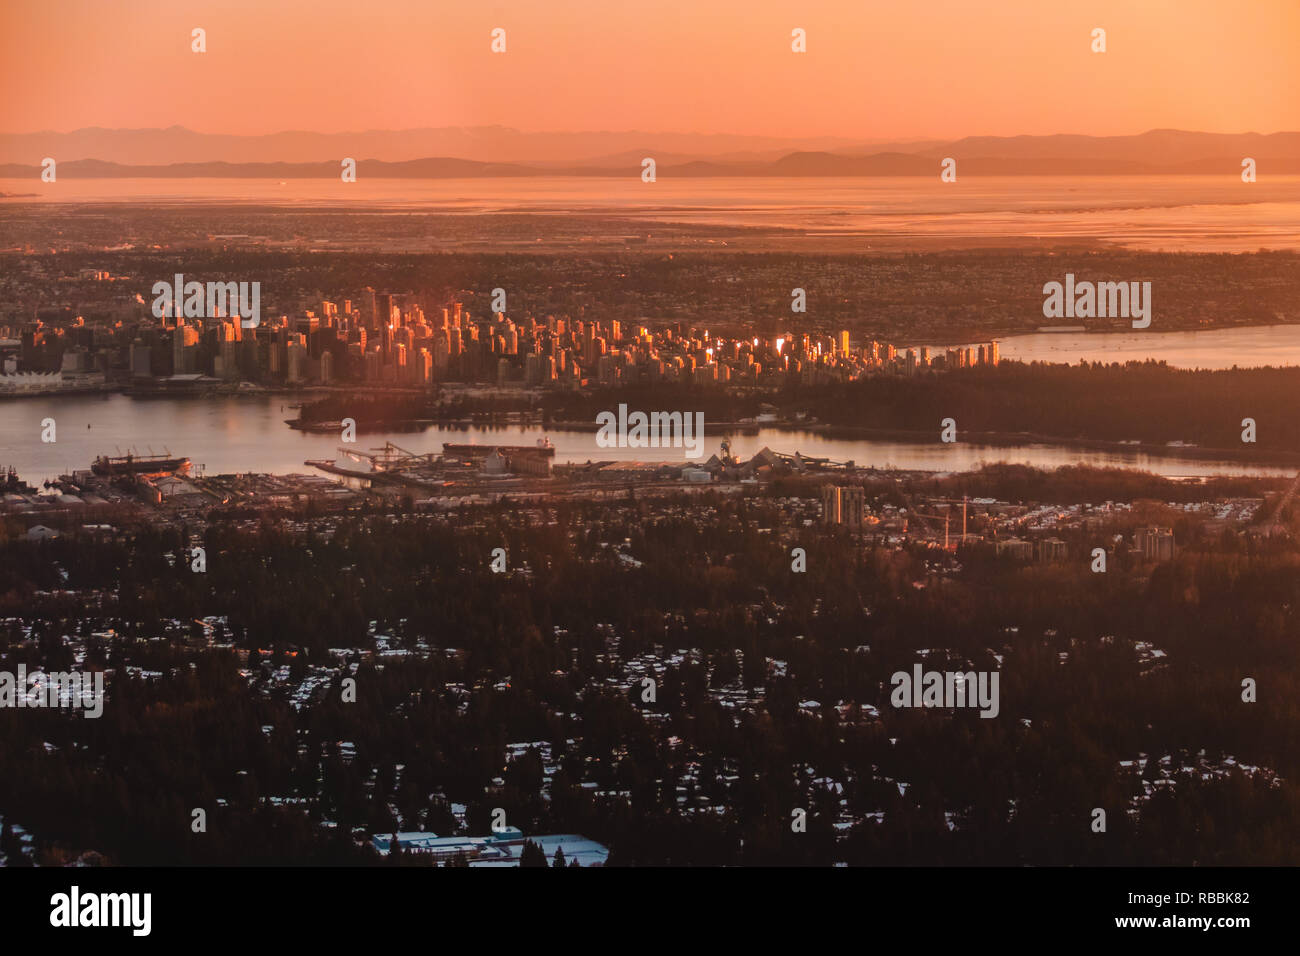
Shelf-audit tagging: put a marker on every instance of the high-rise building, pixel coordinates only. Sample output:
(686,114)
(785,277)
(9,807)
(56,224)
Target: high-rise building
(1017,548)
(185,348)
(842,505)
(383,310)
(141,359)
(1052,550)
(296,360)
(227,338)
(607,370)
(1154,544)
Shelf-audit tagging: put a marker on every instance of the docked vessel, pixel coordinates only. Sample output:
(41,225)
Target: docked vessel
(543,448)
(139,465)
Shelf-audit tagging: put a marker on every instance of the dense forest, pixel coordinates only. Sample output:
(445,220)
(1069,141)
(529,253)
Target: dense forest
(1136,401)
(1148,402)
(453,662)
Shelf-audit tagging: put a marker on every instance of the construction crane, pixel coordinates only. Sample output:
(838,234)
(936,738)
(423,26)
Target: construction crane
(389,458)
(963,501)
(951,502)
(944,517)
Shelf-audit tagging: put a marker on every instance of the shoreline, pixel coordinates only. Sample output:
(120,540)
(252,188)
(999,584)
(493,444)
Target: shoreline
(160,388)
(992,439)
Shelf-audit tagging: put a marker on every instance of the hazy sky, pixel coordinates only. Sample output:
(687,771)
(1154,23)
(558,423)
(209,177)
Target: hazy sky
(895,69)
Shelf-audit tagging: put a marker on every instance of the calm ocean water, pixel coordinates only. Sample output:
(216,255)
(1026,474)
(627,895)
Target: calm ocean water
(247,433)
(1251,347)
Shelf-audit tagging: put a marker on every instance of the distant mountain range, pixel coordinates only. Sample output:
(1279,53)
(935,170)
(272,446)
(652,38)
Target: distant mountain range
(495,152)
(488,144)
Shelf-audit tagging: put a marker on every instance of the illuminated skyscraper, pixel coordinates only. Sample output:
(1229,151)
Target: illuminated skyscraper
(842,505)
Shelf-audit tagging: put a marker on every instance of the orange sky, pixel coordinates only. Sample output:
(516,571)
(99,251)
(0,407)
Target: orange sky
(896,69)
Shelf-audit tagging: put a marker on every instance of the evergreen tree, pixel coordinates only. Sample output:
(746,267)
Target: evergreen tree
(532,855)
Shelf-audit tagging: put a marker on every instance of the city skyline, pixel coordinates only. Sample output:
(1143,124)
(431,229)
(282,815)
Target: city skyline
(724,434)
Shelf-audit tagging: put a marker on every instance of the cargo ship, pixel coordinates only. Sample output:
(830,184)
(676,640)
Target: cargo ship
(139,465)
(405,425)
(543,448)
